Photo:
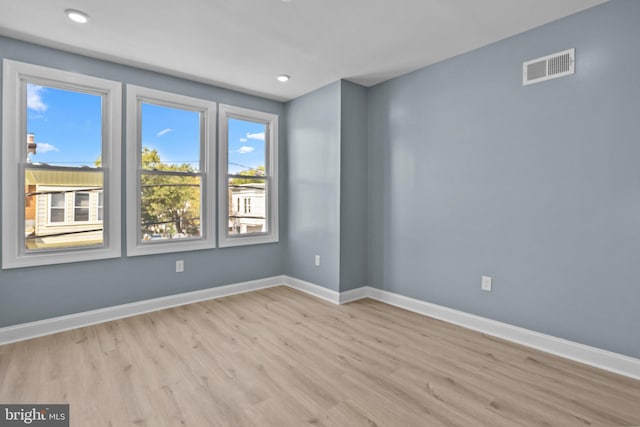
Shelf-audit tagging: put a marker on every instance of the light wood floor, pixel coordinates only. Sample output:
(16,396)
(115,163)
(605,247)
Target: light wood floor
(277,357)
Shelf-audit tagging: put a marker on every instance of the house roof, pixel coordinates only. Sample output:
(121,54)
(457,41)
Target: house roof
(68,177)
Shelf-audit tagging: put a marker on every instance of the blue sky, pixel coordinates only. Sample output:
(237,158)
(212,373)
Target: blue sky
(246,145)
(67,128)
(174,133)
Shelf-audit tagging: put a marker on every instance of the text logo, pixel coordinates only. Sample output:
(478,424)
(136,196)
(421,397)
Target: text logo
(34,415)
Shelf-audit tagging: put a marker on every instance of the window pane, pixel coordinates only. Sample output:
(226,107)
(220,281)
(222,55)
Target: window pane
(248,214)
(57,200)
(82,200)
(246,147)
(64,148)
(81,214)
(100,214)
(81,209)
(170,138)
(64,127)
(170,207)
(46,195)
(56,213)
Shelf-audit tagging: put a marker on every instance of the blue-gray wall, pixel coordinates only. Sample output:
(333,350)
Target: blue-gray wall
(327,186)
(28,294)
(313,191)
(353,186)
(472,174)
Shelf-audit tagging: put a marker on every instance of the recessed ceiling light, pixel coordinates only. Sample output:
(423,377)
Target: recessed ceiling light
(77,16)
(283,78)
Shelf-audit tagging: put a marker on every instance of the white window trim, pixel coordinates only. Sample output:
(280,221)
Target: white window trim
(14,129)
(271,120)
(135,96)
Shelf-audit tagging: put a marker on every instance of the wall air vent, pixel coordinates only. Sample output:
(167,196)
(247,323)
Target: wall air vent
(549,67)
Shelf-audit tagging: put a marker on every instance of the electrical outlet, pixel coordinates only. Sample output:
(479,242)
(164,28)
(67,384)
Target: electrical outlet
(486,283)
(179,266)
(317,260)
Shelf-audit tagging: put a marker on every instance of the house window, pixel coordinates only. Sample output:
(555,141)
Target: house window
(56,208)
(248,170)
(169,172)
(61,132)
(81,206)
(100,206)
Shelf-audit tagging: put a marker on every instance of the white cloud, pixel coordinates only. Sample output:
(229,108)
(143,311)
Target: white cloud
(259,136)
(43,147)
(164,132)
(245,149)
(34,98)
(243,139)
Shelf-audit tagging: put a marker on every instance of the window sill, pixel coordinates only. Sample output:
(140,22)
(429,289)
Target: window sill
(168,247)
(233,241)
(34,259)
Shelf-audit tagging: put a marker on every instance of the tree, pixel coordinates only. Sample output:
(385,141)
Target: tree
(260,171)
(170,203)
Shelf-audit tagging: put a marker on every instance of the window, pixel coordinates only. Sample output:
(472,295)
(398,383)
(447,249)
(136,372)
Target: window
(81,206)
(170,179)
(100,206)
(61,140)
(56,208)
(248,174)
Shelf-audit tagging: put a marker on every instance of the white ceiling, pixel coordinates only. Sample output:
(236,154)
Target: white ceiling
(244,44)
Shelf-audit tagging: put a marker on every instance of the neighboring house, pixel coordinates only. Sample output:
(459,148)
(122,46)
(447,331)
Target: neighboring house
(247,208)
(63,205)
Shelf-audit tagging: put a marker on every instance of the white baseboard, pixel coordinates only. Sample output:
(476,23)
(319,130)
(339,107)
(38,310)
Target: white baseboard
(599,358)
(54,325)
(355,294)
(607,360)
(313,289)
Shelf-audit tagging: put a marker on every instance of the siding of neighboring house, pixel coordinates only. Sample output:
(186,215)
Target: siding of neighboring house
(68,231)
(30,209)
(44,226)
(247,209)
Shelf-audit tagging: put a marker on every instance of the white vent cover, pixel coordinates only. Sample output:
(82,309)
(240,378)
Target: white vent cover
(549,67)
